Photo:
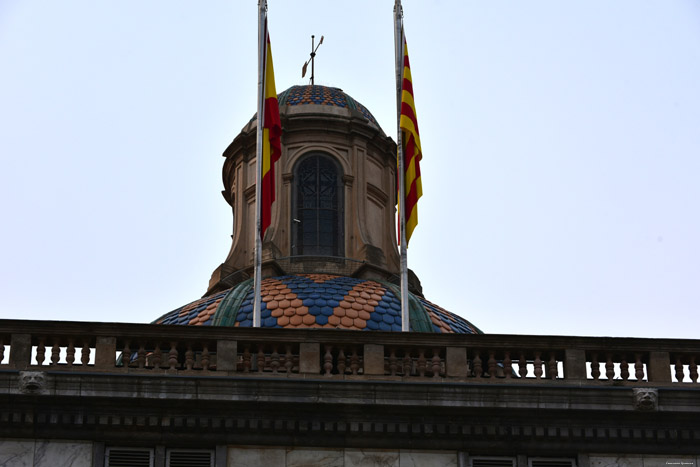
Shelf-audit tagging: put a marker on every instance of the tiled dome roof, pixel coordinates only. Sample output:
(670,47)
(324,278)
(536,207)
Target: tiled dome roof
(318,301)
(322,95)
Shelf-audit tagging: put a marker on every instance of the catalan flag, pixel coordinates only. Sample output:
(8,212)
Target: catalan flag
(412,153)
(271,150)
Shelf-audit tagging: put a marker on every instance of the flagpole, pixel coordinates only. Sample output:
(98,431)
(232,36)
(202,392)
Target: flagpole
(262,43)
(398,46)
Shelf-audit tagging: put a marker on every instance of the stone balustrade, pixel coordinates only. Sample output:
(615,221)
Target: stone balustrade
(307,353)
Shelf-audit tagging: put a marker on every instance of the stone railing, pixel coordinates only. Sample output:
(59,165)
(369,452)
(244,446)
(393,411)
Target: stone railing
(332,354)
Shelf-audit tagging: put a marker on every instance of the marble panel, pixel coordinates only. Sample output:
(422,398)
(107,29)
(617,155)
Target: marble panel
(255,457)
(62,454)
(315,457)
(371,458)
(16,453)
(427,459)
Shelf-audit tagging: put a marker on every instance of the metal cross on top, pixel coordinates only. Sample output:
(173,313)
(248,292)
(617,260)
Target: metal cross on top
(313,54)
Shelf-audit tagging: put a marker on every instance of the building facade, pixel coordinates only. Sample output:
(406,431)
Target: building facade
(328,380)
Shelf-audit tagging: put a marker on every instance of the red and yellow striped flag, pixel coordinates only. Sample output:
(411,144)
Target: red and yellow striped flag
(272,149)
(412,153)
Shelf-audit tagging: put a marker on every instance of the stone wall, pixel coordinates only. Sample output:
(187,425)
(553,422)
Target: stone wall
(45,453)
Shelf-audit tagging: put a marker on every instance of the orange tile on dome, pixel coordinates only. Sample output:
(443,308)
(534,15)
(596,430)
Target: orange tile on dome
(309,319)
(283,320)
(277,312)
(271,305)
(344,304)
(297,303)
(345,321)
(364,315)
(295,320)
(339,312)
(351,313)
(303,310)
(334,320)
(360,323)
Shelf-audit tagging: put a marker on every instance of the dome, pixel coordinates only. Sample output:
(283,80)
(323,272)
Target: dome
(318,301)
(323,95)
(330,99)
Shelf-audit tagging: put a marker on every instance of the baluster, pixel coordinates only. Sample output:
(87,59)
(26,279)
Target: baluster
(342,362)
(55,353)
(680,374)
(407,363)
(638,367)
(609,367)
(189,357)
(538,365)
(553,370)
(595,366)
(70,352)
(81,357)
(624,368)
(173,355)
(205,357)
(478,369)
(40,352)
(246,359)
(522,365)
(2,350)
(492,364)
(507,365)
(261,358)
(421,363)
(693,367)
(274,359)
(436,363)
(157,357)
(141,356)
(354,361)
(393,363)
(126,355)
(288,359)
(328,361)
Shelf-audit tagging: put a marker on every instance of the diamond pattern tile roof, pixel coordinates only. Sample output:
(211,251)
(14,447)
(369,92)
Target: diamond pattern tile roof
(318,301)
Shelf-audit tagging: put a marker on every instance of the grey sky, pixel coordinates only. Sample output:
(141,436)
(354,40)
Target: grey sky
(560,139)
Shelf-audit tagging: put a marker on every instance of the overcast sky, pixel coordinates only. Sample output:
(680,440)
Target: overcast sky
(561,151)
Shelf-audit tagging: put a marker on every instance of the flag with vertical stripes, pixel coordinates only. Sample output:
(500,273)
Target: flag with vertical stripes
(272,149)
(412,150)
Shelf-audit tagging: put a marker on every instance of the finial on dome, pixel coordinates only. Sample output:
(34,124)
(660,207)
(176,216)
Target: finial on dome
(313,54)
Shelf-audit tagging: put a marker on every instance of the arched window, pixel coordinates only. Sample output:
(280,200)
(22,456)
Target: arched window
(317,221)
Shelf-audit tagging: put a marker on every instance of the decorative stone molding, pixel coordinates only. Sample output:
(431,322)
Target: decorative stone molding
(32,382)
(646,399)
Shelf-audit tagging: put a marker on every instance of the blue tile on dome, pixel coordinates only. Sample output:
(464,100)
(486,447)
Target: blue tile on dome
(321,319)
(270,322)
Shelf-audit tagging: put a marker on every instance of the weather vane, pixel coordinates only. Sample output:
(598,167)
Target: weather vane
(313,54)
